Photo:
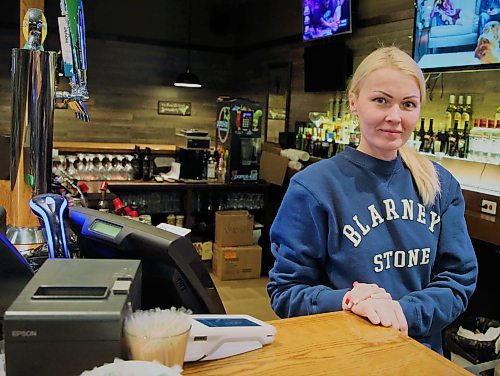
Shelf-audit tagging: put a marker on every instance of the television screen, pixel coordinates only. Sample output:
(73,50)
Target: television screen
(456,34)
(324,18)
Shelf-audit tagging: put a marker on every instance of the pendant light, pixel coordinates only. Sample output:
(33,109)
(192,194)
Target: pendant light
(187,78)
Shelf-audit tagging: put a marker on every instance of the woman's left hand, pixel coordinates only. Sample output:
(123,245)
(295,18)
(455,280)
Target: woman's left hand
(382,312)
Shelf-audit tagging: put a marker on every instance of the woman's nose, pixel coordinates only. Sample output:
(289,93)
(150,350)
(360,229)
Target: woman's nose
(394,114)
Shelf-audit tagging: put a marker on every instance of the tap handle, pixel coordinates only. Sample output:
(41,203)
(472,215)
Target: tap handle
(34,29)
(51,208)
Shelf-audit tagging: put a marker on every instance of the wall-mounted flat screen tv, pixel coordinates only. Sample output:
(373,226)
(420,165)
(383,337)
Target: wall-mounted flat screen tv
(456,35)
(326,18)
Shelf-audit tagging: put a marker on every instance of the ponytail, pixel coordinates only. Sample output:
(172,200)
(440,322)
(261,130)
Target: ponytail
(424,174)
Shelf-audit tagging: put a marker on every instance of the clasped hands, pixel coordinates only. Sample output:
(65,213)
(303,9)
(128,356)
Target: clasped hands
(376,304)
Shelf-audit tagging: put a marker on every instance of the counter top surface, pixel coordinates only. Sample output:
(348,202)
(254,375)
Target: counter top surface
(338,343)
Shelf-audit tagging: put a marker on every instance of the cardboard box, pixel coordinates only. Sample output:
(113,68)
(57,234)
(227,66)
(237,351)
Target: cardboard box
(233,227)
(243,262)
(273,167)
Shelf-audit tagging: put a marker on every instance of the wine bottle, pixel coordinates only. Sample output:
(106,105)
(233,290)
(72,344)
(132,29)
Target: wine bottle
(450,112)
(429,138)
(438,140)
(463,142)
(453,141)
(459,111)
(147,165)
(421,134)
(299,139)
(467,112)
(136,163)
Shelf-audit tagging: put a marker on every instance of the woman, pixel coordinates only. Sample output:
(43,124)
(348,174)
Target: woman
(378,230)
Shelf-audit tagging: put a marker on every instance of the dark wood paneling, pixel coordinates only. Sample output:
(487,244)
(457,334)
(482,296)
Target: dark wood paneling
(482,226)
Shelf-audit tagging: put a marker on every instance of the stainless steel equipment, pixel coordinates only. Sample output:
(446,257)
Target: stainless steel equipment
(33,77)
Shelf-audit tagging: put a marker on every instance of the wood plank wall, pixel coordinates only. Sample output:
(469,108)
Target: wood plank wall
(482,85)
(126,80)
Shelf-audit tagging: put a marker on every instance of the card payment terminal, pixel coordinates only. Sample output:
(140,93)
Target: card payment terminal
(220,336)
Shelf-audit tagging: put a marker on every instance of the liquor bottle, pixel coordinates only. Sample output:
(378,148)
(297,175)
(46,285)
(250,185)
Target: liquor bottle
(429,138)
(136,163)
(463,142)
(450,112)
(459,111)
(120,208)
(299,139)
(147,166)
(421,134)
(102,204)
(308,141)
(467,111)
(336,106)
(211,168)
(438,139)
(453,141)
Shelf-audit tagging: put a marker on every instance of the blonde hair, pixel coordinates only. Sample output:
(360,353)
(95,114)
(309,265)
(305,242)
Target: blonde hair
(423,171)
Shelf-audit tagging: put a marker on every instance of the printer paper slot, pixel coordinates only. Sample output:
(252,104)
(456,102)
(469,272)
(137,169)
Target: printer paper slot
(71,292)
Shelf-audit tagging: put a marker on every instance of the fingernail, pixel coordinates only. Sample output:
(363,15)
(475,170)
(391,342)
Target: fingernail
(347,301)
(349,305)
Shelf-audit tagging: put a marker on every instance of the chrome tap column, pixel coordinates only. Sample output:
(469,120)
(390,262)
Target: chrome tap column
(33,74)
(33,93)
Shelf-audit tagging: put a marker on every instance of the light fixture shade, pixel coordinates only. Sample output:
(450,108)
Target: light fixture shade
(187,79)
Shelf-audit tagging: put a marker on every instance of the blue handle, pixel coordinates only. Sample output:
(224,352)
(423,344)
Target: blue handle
(51,209)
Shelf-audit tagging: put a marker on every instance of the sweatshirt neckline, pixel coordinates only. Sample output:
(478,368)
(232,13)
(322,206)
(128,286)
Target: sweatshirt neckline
(377,166)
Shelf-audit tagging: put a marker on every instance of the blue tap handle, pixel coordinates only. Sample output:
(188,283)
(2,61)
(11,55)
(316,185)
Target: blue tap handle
(51,209)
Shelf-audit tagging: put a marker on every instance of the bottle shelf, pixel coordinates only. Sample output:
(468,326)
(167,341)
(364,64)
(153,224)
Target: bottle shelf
(440,156)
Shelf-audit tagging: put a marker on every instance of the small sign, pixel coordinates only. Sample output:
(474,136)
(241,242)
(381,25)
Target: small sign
(174,108)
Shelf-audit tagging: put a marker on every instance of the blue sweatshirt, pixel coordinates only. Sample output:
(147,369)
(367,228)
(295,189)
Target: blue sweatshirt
(357,218)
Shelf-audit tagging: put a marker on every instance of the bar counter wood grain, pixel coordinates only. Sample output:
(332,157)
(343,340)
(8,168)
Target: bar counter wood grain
(338,343)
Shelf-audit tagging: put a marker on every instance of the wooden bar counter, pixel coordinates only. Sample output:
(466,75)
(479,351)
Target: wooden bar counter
(338,343)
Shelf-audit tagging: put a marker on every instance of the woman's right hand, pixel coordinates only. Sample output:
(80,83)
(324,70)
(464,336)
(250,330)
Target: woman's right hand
(363,291)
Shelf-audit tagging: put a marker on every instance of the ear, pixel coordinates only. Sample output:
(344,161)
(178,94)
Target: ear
(352,103)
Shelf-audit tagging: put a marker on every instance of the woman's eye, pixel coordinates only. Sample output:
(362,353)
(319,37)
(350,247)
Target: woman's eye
(409,105)
(379,100)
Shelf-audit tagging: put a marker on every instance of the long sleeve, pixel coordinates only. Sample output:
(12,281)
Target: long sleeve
(454,274)
(299,238)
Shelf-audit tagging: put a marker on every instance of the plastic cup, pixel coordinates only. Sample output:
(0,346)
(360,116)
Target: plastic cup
(169,350)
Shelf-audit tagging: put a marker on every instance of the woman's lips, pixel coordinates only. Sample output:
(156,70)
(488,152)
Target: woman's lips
(391,131)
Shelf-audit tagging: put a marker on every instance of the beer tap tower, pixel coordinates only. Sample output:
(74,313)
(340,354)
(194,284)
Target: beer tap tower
(33,77)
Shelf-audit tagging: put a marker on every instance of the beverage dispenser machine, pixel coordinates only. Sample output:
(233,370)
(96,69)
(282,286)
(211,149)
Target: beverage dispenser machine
(239,127)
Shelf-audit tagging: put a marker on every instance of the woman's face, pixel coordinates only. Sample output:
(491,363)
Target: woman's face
(388,108)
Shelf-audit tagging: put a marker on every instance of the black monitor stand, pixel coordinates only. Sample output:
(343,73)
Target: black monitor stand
(173,273)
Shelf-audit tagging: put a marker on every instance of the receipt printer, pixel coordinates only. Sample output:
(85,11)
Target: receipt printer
(69,316)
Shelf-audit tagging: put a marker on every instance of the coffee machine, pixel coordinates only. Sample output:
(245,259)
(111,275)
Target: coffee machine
(193,148)
(239,124)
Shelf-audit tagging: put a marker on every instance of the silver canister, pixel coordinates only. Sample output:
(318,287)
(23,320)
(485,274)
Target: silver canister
(33,91)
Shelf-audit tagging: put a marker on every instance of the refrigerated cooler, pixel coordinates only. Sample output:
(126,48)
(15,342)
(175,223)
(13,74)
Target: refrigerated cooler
(238,143)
